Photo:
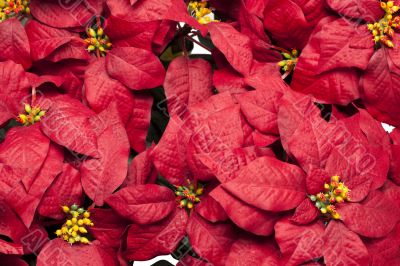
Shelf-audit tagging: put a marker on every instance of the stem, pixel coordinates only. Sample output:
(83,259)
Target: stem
(198,43)
(33,100)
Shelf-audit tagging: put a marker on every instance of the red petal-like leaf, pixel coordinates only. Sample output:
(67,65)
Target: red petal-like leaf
(305,213)
(368,10)
(299,243)
(65,190)
(14,43)
(57,252)
(100,177)
(252,251)
(211,210)
(67,123)
(269,184)
(251,219)
(101,90)
(141,170)
(135,68)
(143,204)
(210,241)
(187,82)
(374,217)
(343,247)
(145,242)
(234,45)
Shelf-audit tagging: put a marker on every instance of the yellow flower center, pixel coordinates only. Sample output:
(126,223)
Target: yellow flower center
(74,229)
(289,61)
(334,193)
(97,42)
(31,115)
(383,30)
(188,196)
(201,11)
(13,8)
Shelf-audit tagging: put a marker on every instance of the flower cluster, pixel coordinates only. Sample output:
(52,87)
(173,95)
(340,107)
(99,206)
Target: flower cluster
(219,132)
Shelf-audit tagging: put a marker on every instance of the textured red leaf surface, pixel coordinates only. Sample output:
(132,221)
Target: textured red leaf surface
(67,124)
(25,148)
(135,68)
(251,219)
(305,213)
(100,177)
(378,86)
(45,40)
(101,90)
(234,45)
(342,246)
(60,14)
(210,241)
(211,210)
(14,43)
(58,252)
(187,82)
(374,217)
(253,251)
(269,184)
(143,204)
(15,86)
(141,170)
(299,243)
(108,227)
(11,227)
(65,190)
(148,241)
(368,10)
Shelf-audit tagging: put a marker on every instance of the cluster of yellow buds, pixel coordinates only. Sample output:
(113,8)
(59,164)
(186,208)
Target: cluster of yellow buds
(335,192)
(12,8)
(201,11)
(383,30)
(188,196)
(32,115)
(97,41)
(289,60)
(74,229)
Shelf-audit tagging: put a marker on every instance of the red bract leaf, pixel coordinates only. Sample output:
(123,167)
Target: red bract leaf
(252,251)
(145,242)
(72,50)
(305,213)
(67,124)
(291,22)
(382,250)
(392,192)
(37,81)
(143,204)
(11,226)
(211,210)
(169,156)
(187,82)
(14,43)
(139,122)
(24,199)
(299,243)
(343,247)
(326,67)
(315,180)
(368,10)
(251,219)
(269,184)
(65,190)
(25,148)
(359,187)
(125,34)
(378,86)
(210,241)
(10,249)
(100,177)
(15,86)
(57,252)
(260,109)
(101,90)
(234,45)
(228,80)
(61,14)
(141,170)
(11,260)
(108,227)
(374,217)
(135,68)
(45,40)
